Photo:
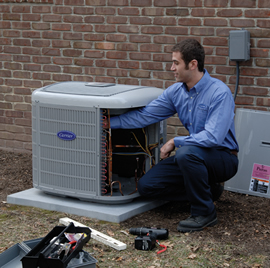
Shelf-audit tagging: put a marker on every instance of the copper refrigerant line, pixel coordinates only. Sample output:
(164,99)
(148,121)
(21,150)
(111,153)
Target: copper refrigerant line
(106,156)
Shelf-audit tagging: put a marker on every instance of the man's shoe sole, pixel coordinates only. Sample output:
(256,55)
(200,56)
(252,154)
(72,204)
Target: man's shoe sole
(189,230)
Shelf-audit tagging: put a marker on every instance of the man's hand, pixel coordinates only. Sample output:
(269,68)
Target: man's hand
(166,149)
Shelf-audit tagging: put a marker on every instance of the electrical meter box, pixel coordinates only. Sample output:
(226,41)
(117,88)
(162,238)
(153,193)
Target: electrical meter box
(75,156)
(253,135)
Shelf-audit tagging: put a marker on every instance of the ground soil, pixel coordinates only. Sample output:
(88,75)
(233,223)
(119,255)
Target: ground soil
(243,219)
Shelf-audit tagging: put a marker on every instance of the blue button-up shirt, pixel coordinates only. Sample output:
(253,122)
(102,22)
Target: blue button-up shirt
(206,111)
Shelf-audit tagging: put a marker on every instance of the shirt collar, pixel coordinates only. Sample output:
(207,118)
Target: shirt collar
(203,82)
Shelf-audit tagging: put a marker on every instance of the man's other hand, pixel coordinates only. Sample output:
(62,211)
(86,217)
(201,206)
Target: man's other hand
(166,149)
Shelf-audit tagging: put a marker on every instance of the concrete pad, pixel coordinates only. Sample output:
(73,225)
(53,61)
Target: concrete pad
(112,213)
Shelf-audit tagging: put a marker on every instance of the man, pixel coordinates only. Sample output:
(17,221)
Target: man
(208,155)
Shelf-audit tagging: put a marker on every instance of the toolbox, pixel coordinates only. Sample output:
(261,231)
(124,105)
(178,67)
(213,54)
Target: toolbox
(28,252)
(55,250)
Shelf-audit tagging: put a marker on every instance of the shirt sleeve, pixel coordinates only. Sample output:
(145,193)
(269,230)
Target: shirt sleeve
(218,122)
(157,110)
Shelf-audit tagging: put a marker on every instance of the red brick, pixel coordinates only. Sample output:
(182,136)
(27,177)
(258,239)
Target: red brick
(21,74)
(164,39)
(61,27)
(204,31)
(95,2)
(263,23)
(189,22)
(263,62)
(190,3)
(264,82)
(42,76)
(152,83)
(83,62)
(5,73)
(244,100)
(215,3)
(22,107)
(139,56)
(257,13)
(259,33)
(117,72)
(82,45)
(22,91)
(13,82)
(41,9)
(61,43)
(128,29)
(215,22)
(21,25)
(9,17)
(41,43)
(52,18)
(165,21)
(82,28)
(11,33)
(6,41)
(41,26)
(13,98)
(255,91)
(32,83)
(5,9)
(42,60)
(72,70)
(243,3)
(5,25)
(153,11)
(95,71)
(151,48)
(152,65)
(31,51)
(94,19)
(105,79)
(72,53)
(12,66)
(12,50)
(127,47)
(83,10)
(263,4)
(163,75)
(128,64)
(31,34)
(105,28)
(128,11)
(152,29)
(106,46)
(62,10)
(61,77)
(82,78)
(128,81)
(140,20)
(73,19)
(20,9)
(229,13)
(94,54)
(119,2)
(32,67)
(94,37)
(16,114)
(74,2)
(263,102)
(62,61)
(242,23)
(203,12)
(242,81)
(105,11)
(117,20)
(179,12)
(163,57)
(106,63)
(116,37)
(52,68)
(176,30)
(72,36)
(21,42)
(5,89)
(225,70)
(140,73)
(116,55)
(215,41)
(140,39)
(51,35)
(167,3)
(31,17)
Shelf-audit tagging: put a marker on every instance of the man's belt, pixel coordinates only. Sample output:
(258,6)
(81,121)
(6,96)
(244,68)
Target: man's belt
(234,153)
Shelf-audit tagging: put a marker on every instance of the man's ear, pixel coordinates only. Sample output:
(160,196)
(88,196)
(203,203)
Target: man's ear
(193,64)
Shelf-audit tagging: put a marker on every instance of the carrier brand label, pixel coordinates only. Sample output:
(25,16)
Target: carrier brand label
(66,135)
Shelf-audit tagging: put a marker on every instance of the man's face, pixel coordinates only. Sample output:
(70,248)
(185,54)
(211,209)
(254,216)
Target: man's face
(181,72)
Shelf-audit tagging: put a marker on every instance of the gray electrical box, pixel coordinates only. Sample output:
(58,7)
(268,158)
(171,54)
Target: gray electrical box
(253,135)
(239,45)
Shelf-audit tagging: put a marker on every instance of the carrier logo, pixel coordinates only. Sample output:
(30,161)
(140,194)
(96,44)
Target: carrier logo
(66,135)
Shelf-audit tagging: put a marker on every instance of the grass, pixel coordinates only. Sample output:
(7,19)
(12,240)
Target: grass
(20,223)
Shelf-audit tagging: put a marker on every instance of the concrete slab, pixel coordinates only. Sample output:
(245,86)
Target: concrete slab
(112,213)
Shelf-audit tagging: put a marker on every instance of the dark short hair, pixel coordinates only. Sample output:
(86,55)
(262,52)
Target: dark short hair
(191,49)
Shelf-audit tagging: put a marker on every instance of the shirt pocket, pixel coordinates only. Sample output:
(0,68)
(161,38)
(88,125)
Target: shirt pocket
(201,115)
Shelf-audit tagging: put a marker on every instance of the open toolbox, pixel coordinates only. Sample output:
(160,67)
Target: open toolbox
(43,252)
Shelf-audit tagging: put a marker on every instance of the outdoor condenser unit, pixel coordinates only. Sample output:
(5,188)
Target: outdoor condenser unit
(75,156)
(253,135)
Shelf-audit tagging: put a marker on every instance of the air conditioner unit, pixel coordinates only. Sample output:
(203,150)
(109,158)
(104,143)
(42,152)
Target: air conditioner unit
(253,135)
(74,156)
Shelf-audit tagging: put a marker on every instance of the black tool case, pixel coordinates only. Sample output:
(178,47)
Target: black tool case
(39,256)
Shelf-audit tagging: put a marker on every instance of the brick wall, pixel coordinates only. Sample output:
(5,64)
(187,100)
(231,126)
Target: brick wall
(121,41)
